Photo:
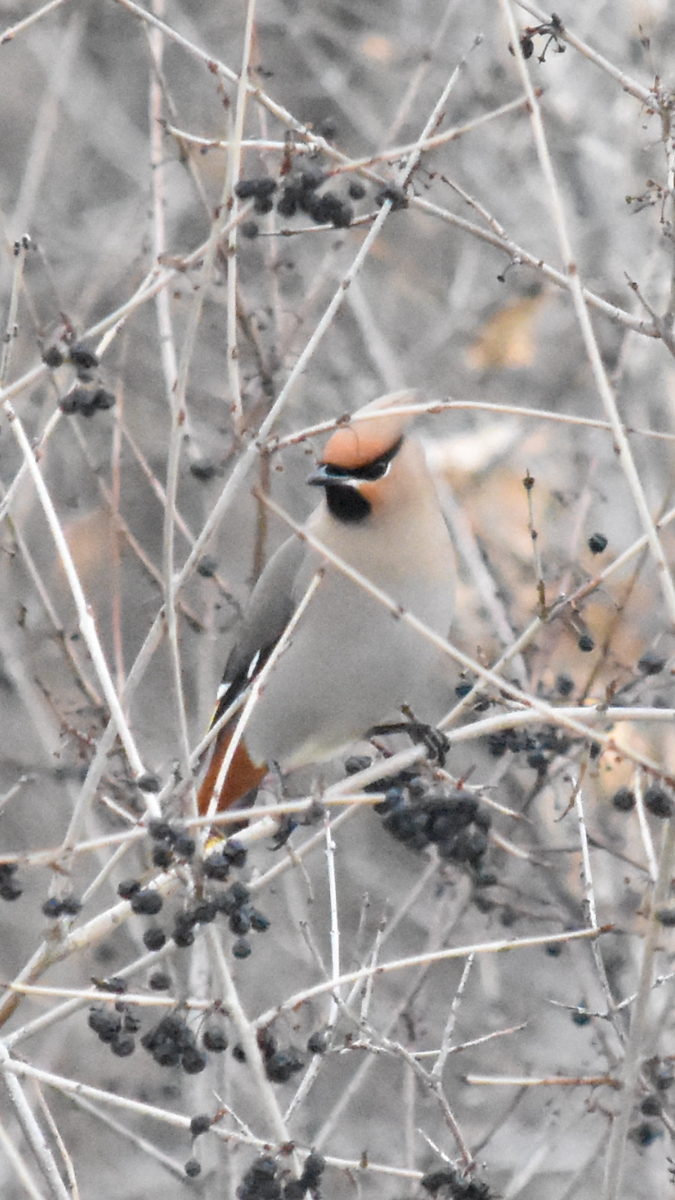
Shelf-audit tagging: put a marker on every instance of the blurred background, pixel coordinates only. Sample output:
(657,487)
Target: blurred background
(152,321)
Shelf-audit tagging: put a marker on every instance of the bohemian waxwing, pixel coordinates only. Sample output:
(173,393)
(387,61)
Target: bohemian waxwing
(350,664)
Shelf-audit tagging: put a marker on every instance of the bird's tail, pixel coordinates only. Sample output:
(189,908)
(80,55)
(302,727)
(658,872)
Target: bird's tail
(242,776)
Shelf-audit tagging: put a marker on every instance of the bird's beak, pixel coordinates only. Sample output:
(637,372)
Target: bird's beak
(321,476)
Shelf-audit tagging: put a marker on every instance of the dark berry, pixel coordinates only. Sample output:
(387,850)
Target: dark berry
(123,1046)
(184,846)
(332,209)
(249,230)
(651,663)
(263,205)
(208,565)
(204,912)
(185,919)
(148,782)
(102,399)
(283,1064)
(666,917)
(128,888)
(52,908)
(105,1022)
(313,1168)
(645,1133)
(183,937)
(159,981)
(658,802)
(52,357)
(240,920)
(239,894)
(204,469)
(82,356)
(408,826)
(241,948)
(192,1168)
(76,400)
(161,831)
(498,743)
(317,1042)
(200,1124)
(193,1061)
(236,852)
(597,542)
(214,1039)
(310,178)
(259,922)
(167,1054)
(356,190)
(623,799)
(394,798)
(586,643)
(147,902)
(260,1181)
(70,906)
(564,685)
(154,938)
(247,189)
(162,857)
(10,889)
(287,204)
(217,866)
(435,1180)
(356,763)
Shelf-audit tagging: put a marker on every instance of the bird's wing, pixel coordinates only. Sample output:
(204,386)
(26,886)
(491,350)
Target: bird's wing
(269,610)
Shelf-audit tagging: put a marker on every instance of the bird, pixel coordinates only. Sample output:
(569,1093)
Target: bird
(350,663)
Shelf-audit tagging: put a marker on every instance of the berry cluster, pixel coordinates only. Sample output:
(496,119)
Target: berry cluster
(175,844)
(420,813)
(655,799)
(301,193)
(115,1027)
(61,906)
(280,1065)
(87,401)
(262,1181)
(541,748)
(87,396)
(171,1043)
(454,1185)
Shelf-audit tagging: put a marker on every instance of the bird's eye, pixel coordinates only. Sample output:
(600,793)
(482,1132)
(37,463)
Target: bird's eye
(373,471)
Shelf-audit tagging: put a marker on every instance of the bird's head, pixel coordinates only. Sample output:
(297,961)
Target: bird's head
(359,466)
